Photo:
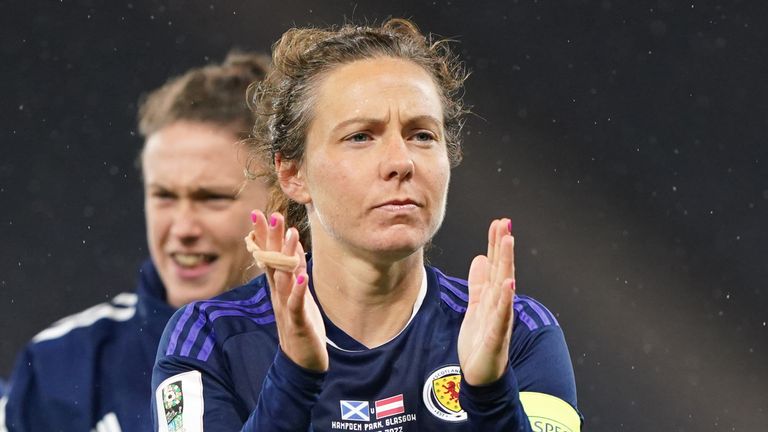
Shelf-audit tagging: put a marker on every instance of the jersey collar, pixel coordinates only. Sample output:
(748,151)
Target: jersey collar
(338,339)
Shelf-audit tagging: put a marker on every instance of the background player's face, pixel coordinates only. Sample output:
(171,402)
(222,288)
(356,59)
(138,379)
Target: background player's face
(197,209)
(376,168)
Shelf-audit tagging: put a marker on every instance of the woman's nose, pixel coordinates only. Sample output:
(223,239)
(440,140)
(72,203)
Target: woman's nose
(397,160)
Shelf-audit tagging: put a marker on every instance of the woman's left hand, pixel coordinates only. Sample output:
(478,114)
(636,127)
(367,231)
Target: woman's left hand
(486,332)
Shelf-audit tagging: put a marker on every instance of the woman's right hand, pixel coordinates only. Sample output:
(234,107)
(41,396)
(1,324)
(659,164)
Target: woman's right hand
(300,325)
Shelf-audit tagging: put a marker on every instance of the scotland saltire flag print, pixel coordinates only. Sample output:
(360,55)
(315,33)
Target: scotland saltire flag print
(355,410)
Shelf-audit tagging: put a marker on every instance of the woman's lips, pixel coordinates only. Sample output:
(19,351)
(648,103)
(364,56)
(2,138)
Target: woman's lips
(398,208)
(405,203)
(192,265)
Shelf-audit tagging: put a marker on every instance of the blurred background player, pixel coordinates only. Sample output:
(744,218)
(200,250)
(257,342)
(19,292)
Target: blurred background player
(92,370)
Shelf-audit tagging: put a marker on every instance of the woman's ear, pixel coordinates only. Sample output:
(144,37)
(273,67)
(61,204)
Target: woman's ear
(291,179)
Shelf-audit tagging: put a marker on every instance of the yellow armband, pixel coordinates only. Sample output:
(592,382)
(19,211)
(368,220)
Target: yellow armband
(548,413)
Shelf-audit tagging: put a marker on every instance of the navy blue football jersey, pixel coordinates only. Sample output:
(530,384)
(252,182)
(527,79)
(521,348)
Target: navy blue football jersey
(219,368)
(91,370)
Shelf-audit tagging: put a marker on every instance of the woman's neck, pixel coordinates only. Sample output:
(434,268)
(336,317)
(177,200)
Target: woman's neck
(371,302)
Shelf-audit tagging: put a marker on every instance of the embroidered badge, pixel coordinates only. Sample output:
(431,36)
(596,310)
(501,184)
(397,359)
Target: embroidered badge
(441,394)
(179,403)
(173,404)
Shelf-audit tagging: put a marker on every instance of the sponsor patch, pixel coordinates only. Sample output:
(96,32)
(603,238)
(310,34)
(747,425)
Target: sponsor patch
(173,404)
(355,410)
(441,394)
(179,403)
(549,413)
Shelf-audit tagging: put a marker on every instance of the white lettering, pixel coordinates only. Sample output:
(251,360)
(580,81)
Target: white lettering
(378,425)
(400,419)
(373,425)
(346,425)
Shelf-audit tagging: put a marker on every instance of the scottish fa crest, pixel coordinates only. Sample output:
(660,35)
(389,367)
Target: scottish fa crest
(441,394)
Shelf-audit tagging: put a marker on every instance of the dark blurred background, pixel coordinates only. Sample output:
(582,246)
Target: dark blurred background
(625,139)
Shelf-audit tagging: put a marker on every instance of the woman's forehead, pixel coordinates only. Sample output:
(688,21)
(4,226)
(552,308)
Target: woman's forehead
(375,88)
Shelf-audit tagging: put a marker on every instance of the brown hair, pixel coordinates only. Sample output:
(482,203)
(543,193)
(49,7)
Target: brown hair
(211,94)
(283,101)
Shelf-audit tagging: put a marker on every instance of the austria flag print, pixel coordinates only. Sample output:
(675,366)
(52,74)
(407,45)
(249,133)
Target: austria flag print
(389,406)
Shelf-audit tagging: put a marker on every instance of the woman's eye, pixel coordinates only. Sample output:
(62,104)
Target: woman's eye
(358,137)
(163,195)
(215,198)
(424,136)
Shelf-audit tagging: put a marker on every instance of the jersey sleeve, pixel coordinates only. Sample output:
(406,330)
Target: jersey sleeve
(537,391)
(545,366)
(194,395)
(189,393)
(39,384)
(287,398)
(191,396)
(23,397)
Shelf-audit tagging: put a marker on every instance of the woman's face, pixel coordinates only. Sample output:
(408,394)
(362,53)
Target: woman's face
(375,172)
(197,206)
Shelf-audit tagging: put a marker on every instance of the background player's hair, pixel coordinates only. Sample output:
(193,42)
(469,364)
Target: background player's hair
(210,94)
(284,100)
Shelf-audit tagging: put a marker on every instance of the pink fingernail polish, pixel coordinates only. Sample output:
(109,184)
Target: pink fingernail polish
(254,216)
(300,280)
(512,285)
(272,221)
(509,226)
